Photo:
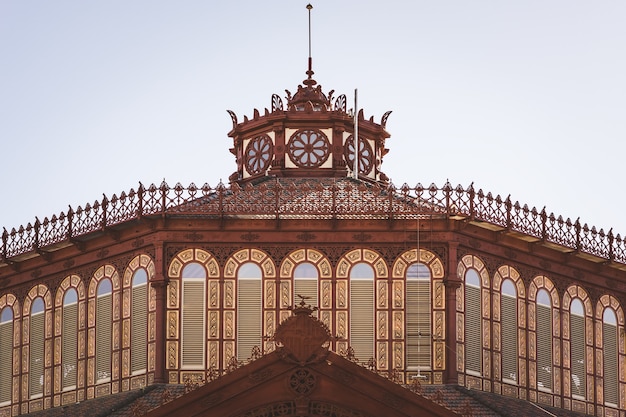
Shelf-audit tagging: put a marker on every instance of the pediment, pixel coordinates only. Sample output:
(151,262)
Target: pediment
(283,383)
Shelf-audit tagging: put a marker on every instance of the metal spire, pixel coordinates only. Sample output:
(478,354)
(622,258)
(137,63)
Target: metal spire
(310,81)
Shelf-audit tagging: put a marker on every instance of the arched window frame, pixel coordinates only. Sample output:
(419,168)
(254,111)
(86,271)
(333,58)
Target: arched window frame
(219,303)
(610,382)
(268,302)
(517,324)
(571,342)
(287,286)
(398,312)
(41,337)
(193,316)
(380,303)
(69,334)
(544,333)
(104,318)
(10,330)
(249,319)
(483,310)
(361,312)
(137,358)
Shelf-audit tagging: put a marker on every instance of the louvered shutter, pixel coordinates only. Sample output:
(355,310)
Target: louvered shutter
(509,337)
(306,287)
(577,355)
(6,358)
(69,349)
(473,329)
(139,328)
(36,354)
(104,322)
(418,323)
(249,310)
(609,337)
(362,318)
(544,346)
(193,323)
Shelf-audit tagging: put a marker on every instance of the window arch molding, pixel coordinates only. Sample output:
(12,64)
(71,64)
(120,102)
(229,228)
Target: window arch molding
(612,369)
(220,324)
(398,295)
(69,335)
(575,292)
(10,361)
(38,291)
(380,332)
(467,263)
(264,307)
(544,348)
(132,353)
(518,357)
(97,329)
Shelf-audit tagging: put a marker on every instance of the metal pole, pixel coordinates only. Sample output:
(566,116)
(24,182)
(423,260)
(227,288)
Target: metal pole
(356,137)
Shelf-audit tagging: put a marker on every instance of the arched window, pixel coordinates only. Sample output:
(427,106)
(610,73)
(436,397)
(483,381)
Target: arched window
(36,338)
(139,322)
(249,309)
(6,355)
(578,367)
(508,317)
(193,317)
(544,340)
(104,324)
(610,356)
(305,277)
(362,311)
(418,317)
(473,322)
(69,335)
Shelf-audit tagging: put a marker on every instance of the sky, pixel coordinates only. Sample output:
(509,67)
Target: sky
(520,98)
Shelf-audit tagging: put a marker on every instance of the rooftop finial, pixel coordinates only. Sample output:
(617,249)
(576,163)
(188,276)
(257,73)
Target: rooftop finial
(310,81)
(309,7)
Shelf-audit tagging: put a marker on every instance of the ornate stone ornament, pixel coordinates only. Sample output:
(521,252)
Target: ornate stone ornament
(366,156)
(308,148)
(258,155)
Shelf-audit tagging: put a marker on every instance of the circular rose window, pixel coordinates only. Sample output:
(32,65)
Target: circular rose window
(258,154)
(365,155)
(308,148)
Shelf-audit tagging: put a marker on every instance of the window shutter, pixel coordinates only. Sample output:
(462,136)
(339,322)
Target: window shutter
(193,323)
(509,337)
(139,328)
(418,323)
(6,361)
(307,288)
(104,320)
(577,355)
(69,349)
(362,318)
(36,354)
(544,346)
(249,310)
(609,337)
(473,329)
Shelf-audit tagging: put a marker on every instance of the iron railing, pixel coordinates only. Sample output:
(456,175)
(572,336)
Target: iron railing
(305,199)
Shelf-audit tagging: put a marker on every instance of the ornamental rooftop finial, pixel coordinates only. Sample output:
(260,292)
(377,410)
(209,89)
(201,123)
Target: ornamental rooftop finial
(310,81)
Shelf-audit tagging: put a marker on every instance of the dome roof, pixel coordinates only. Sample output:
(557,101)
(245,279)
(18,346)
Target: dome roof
(308,93)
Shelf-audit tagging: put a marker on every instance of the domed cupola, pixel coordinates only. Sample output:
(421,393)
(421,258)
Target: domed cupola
(312,136)
(309,95)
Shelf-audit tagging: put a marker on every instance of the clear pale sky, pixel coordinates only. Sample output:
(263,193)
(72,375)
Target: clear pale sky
(526,98)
